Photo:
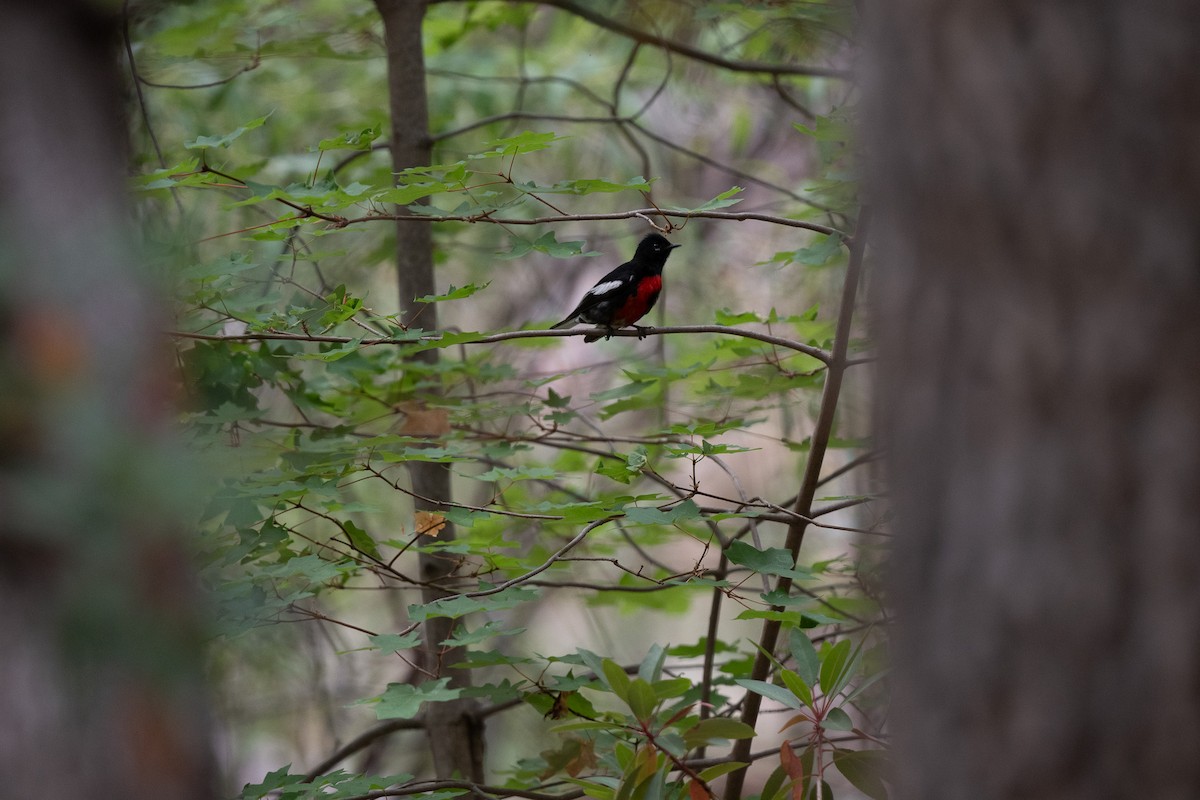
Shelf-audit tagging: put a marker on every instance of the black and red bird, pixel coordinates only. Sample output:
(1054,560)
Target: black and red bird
(626,294)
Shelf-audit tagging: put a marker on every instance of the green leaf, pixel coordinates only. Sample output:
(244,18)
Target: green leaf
(403,700)
(651,667)
(394,643)
(716,771)
(329,352)
(594,788)
(836,668)
(583,186)
(352,140)
(360,540)
(723,200)
(773,560)
(864,769)
(797,686)
(521,473)
(489,630)
(628,390)
(729,318)
(772,692)
(656,516)
(641,699)
(805,655)
(700,648)
(411,193)
(460,605)
(527,142)
(454,294)
(205,142)
(836,719)
(821,252)
(826,129)
(623,471)
(278,779)
(786,617)
(546,243)
(616,678)
(715,729)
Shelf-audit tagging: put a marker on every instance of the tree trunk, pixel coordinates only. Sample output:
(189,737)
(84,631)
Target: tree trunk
(454,730)
(100,690)
(1037,166)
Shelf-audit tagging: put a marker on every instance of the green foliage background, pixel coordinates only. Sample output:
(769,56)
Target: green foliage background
(652,480)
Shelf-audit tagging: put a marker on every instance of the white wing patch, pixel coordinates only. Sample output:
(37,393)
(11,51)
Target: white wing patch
(601,289)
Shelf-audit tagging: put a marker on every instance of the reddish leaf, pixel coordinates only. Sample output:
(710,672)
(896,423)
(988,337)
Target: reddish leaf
(794,769)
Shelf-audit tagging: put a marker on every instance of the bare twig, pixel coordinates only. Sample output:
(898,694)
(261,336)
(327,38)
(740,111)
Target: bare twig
(694,53)
(800,347)
(822,432)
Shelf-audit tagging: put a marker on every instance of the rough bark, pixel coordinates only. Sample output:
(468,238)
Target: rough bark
(99,687)
(1037,170)
(453,729)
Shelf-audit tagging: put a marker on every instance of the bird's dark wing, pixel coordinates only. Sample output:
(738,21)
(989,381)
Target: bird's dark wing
(613,285)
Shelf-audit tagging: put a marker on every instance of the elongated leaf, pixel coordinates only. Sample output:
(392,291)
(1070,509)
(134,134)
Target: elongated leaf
(771,692)
(833,666)
(616,679)
(651,667)
(715,729)
(360,539)
(864,769)
(797,686)
(836,719)
(808,662)
(641,699)
(717,770)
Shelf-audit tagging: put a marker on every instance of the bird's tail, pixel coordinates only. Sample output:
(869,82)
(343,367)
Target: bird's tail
(566,323)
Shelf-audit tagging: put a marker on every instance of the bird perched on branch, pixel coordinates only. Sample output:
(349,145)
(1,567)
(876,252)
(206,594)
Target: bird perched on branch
(626,294)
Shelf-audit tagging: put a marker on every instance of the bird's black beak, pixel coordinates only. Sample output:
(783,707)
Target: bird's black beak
(672,247)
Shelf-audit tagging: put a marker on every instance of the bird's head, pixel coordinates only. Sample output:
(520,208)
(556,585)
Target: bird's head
(655,246)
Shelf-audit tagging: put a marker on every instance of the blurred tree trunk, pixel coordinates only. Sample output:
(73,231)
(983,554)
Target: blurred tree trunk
(100,678)
(1038,170)
(453,729)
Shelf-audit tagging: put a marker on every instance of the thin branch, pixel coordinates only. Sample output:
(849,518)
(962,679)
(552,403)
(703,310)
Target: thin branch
(359,742)
(694,53)
(640,213)
(558,556)
(822,432)
(137,84)
(734,171)
(624,123)
(800,347)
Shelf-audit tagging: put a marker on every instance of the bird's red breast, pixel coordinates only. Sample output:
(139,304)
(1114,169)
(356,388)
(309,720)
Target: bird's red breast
(640,301)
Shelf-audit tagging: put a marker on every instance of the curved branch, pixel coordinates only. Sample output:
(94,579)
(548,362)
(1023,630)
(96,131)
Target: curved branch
(815,352)
(694,53)
(640,213)
(359,742)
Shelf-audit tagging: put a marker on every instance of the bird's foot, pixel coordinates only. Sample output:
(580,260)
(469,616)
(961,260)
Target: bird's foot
(642,330)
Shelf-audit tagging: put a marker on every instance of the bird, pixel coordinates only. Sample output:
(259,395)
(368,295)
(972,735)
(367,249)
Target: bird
(626,294)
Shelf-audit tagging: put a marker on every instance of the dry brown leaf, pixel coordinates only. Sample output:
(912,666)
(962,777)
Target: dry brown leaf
(794,768)
(427,523)
(422,421)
